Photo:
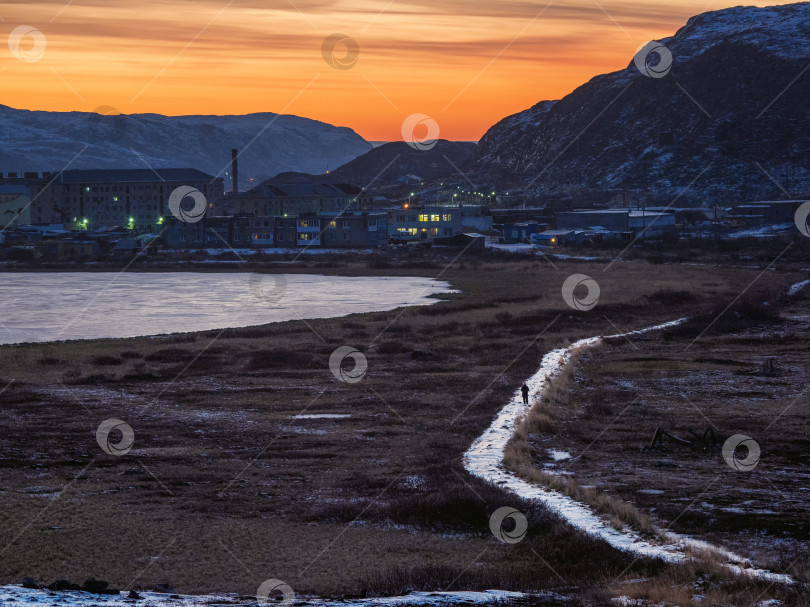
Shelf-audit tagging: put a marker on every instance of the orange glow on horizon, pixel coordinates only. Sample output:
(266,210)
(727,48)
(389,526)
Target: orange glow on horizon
(466,64)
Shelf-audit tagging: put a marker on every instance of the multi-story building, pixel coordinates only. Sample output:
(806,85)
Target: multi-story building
(278,200)
(130,198)
(425,223)
(40,206)
(254,231)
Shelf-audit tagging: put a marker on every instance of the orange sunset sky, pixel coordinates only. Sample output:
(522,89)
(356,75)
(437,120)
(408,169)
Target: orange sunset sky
(466,63)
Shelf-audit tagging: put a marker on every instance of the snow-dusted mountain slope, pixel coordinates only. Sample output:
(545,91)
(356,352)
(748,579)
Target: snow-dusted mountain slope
(270,143)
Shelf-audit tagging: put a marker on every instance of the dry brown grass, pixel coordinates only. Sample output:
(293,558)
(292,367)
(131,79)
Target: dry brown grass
(706,582)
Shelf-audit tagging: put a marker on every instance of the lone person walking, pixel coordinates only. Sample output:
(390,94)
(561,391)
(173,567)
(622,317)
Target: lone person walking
(525,391)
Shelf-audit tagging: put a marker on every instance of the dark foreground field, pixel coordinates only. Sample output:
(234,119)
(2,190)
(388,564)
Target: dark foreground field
(224,488)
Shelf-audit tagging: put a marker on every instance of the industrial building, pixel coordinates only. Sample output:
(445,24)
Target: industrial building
(521,232)
(328,230)
(647,223)
(765,212)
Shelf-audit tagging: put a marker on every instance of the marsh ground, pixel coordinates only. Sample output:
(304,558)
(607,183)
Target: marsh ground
(224,488)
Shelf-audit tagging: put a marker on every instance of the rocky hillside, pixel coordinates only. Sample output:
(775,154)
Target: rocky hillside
(736,98)
(47,141)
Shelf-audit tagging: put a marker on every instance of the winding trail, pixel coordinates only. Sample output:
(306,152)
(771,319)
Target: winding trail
(484,459)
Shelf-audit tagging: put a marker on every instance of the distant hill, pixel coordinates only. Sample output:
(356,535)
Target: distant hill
(734,103)
(47,141)
(391,161)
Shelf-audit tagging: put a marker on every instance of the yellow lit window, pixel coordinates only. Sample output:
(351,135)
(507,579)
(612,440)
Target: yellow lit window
(434,217)
(424,218)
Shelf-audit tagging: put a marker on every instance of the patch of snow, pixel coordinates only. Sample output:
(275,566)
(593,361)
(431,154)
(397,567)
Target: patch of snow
(798,287)
(760,232)
(414,481)
(511,248)
(580,257)
(559,456)
(322,416)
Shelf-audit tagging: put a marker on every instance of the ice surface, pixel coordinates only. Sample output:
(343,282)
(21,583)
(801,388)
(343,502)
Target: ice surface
(49,306)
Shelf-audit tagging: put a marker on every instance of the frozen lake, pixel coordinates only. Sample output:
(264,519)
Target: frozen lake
(50,306)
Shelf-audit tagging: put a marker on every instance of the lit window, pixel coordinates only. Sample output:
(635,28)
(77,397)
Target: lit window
(434,217)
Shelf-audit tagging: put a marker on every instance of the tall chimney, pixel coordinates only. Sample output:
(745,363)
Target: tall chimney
(235,170)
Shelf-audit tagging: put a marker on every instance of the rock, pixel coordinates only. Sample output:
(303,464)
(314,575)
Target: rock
(134,596)
(29,582)
(95,586)
(421,355)
(63,585)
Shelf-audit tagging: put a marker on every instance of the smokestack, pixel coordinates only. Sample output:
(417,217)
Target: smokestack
(235,170)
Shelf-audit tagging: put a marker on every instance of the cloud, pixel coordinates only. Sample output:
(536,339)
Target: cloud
(196,57)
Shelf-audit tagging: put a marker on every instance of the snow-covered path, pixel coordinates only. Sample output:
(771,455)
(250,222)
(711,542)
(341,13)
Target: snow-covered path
(484,459)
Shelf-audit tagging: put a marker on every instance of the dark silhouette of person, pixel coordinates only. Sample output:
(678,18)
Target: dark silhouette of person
(525,391)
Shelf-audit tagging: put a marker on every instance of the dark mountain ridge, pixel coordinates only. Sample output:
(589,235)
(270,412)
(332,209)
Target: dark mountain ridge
(393,161)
